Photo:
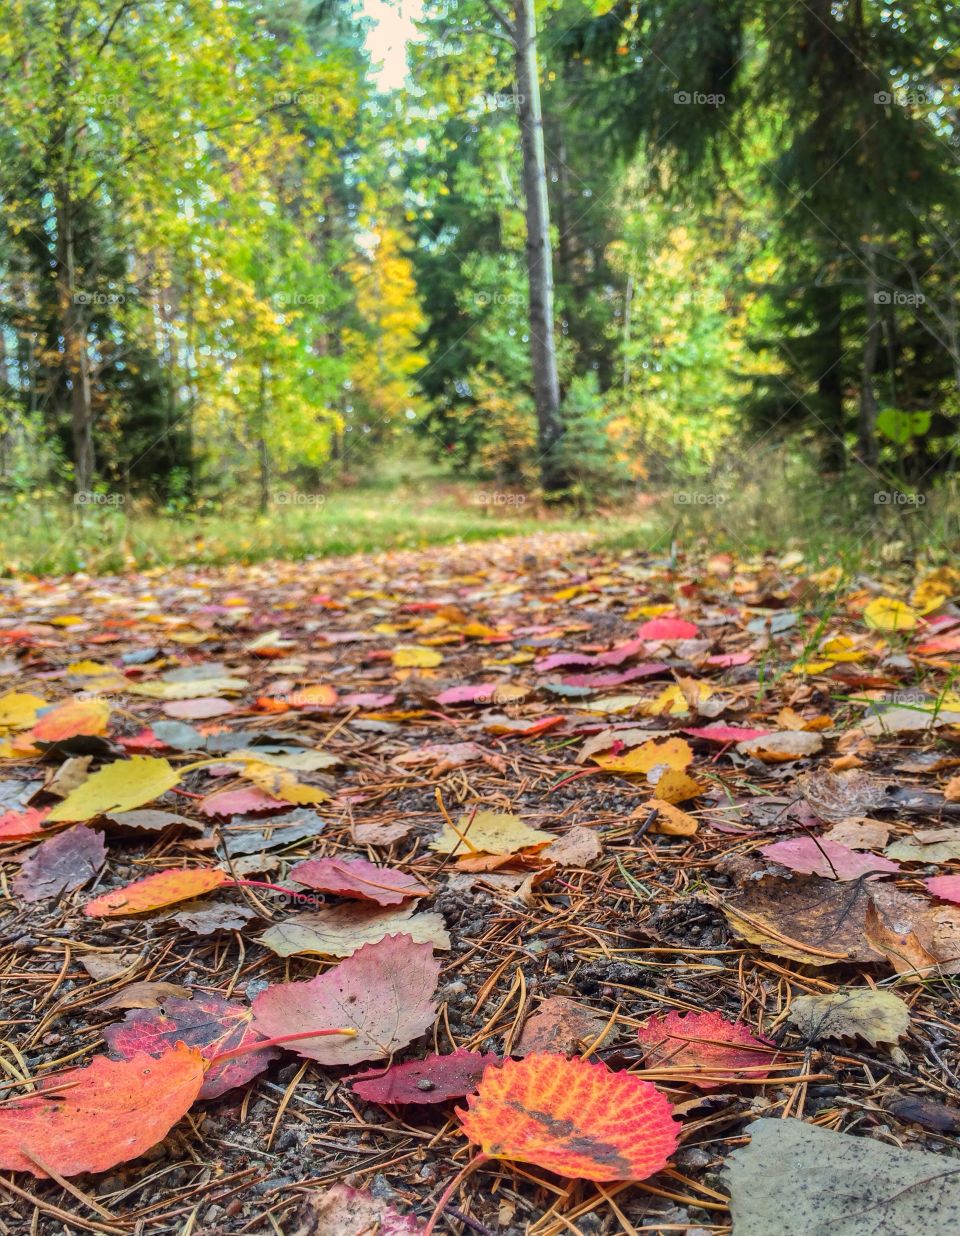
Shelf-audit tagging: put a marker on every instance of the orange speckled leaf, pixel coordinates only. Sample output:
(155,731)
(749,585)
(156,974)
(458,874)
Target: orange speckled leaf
(574,1117)
(704,1043)
(90,1119)
(23,825)
(163,888)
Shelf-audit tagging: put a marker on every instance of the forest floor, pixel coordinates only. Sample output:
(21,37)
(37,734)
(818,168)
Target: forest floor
(693,817)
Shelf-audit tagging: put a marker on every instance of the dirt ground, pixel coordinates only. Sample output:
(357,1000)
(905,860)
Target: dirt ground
(636,926)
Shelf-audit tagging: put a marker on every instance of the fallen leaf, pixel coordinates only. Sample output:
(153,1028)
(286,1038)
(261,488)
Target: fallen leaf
(947,887)
(65,862)
(860,834)
(667,628)
(490,832)
(704,1043)
(780,747)
(798,1179)
(163,888)
(563,1026)
(345,1211)
(205,920)
(431,1080)
(670,820)
(356,878)
(384,991)
(674,753)
(152,821)
(940,845)
(672,786)
(207,1023)
(119,786)
(91,1119)
(145,995)
(836,796)
(865,1012)
(338,931)
(23,825)
(379,834)
(573,1117)
(577,847)
(888,614)
(820,856)
(83,715)
(412,657)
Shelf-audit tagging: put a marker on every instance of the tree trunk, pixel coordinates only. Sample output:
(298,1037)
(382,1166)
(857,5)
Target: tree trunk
(543,352)
(867,435)
(76,360)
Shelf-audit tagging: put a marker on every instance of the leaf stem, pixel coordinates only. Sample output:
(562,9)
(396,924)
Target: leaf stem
(451,1188)
(245,1048)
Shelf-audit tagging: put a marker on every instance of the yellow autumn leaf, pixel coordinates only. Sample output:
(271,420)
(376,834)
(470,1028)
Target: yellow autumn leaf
(121,786)
(413,657)
(672,753)
(811,667)
(281,783)
(675,700)
(843,648)
(18,710)
(491,832)
(888,614)
(91,669)
(670,821)
(674,786)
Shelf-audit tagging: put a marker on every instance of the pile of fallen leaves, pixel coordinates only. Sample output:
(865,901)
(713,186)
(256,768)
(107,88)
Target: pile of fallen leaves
(515,888)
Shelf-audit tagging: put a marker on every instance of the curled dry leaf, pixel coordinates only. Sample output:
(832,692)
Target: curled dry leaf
(163,888)
(384,992)
(836,796)
(91,1119)
(144,995)
(573,1117)
(712,1051)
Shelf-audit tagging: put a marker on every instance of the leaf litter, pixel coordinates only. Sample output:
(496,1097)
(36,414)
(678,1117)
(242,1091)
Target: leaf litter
(613,807)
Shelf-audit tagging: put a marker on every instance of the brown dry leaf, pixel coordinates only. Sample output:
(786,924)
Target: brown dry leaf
(578,847)
(781,747)
(144,996)
(859,833)
(951,791)
(904,950)
(338,931)
(380,834)
(836,796)
(345,1211)
(562,1025)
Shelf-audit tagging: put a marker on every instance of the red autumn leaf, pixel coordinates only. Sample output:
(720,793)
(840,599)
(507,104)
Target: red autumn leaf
(727,660)
(467,694)
(559,660)
(826,858)
(946,887)
(725,733)
(64,862)
(163,888)
(384,991)
(648,669)
(704,1043)
(355,877)
(90,1119)
(246,801)
(144,740)
(431,1080)
(23,825)
(574,1117)
(622,652)
(207,1022)
(667,628)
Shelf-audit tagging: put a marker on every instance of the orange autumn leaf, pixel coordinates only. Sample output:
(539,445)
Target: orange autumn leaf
(163,888)
(71,718)
(573,1117)
(23,825)
(90,1119)
(704,1043)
